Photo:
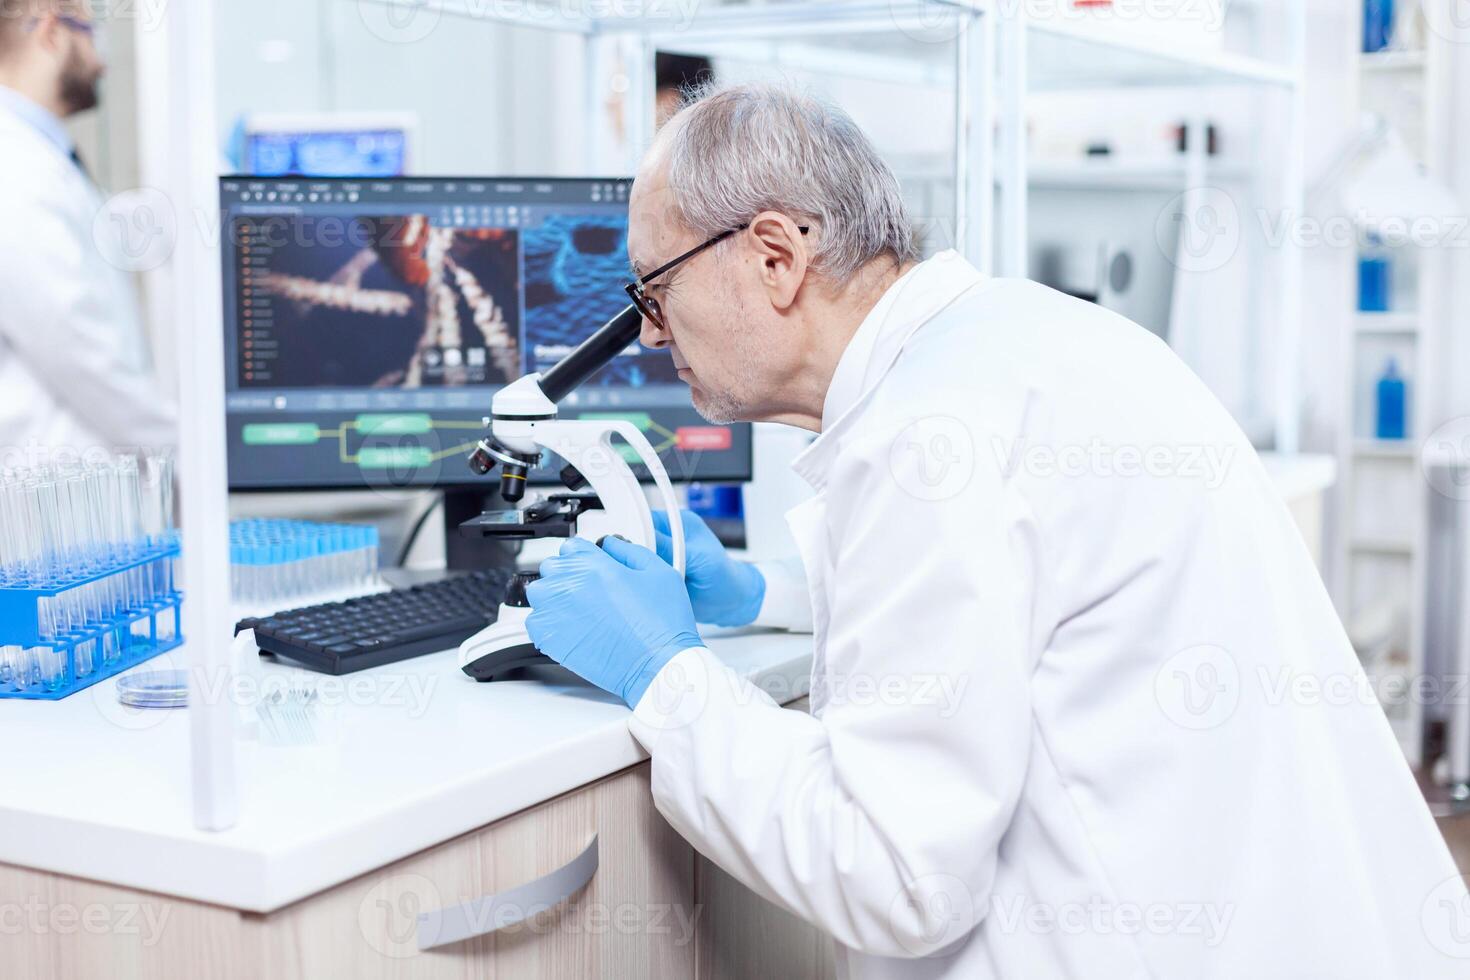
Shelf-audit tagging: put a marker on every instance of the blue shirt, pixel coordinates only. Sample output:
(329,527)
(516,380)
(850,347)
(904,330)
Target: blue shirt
(38,118)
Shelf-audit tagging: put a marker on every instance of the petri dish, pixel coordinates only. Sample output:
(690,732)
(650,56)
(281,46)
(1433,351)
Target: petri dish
(154,689)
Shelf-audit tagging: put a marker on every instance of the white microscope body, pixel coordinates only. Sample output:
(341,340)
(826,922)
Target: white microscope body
(523,424)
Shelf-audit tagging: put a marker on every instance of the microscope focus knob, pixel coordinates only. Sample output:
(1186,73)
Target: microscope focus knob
(572,479)
(515,592)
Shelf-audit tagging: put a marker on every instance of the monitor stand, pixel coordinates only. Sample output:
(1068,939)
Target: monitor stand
(469,554)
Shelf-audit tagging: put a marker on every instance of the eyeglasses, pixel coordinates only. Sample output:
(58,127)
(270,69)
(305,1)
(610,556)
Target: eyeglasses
(649,306)
(86,27)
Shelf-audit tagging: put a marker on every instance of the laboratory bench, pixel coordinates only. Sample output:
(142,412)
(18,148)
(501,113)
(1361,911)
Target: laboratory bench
(369,845)
(369,848)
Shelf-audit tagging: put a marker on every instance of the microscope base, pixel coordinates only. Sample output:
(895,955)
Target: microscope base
(501,648)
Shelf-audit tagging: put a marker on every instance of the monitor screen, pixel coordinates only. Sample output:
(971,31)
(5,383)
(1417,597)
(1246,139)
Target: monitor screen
(337,153)
(368,323)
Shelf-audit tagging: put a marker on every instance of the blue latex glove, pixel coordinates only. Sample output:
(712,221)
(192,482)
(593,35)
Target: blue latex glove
(613,615)
(724,592)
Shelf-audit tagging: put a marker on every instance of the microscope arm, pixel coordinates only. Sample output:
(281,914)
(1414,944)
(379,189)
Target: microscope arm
(524,421)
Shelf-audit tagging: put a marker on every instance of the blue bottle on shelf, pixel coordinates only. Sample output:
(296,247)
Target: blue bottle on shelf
(1377,24)
(1392,396)
(1373,282)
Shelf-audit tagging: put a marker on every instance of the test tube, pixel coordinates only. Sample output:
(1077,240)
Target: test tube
(156,489)
(88,512)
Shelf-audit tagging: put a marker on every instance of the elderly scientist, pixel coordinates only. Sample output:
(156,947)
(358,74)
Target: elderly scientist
(1061,617)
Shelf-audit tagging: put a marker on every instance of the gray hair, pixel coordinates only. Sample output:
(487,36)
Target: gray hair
(739,150)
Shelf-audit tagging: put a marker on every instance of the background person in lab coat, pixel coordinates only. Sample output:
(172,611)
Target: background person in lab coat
(1061,617)
(73,365)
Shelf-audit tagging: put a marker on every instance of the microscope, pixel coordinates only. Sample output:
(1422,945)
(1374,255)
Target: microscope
(603,495)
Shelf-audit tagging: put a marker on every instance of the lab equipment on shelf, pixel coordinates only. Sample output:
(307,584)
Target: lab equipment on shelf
(87,582)
(1392,395)
(1377,25)
(372,630)
(1374,283)
(273,560)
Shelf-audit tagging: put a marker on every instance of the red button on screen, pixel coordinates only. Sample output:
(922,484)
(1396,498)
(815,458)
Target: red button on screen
(698,437)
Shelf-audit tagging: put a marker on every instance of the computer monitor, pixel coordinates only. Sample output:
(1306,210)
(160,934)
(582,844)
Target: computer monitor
(368,323)
(327,144)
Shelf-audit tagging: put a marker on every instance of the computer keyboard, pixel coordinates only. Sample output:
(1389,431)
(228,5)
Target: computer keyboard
(372,630)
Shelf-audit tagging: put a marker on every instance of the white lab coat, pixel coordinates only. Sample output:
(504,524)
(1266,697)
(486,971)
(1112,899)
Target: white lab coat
(73,364)
(1063,722)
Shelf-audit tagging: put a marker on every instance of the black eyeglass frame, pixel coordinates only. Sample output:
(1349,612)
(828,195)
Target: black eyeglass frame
(648,306)
(86,27)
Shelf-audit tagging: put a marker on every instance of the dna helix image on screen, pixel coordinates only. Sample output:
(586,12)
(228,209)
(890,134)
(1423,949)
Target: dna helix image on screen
(389,302)
(575,268)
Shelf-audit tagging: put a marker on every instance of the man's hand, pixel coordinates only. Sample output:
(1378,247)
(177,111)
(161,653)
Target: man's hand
(723,591)
(613,615)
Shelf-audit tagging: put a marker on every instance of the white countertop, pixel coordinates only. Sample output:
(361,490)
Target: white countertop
(411,755)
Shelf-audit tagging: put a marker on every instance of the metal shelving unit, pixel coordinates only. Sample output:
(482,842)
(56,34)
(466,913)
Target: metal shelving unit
(1020,56)
(1382,585)
(990,53)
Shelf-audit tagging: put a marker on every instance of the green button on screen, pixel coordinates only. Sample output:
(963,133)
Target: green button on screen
(279,433)
(408,423)
(382,457)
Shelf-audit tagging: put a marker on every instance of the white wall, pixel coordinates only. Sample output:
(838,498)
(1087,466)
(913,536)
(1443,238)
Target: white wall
(1329,274)
(489,98)
(1456,363)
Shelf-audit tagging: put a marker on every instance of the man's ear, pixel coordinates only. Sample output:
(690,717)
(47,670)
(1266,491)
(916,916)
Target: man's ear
(781,249)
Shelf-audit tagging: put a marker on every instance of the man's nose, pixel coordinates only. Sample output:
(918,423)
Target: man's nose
(652,336)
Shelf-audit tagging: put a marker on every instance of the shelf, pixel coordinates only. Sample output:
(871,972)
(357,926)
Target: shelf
(1086,56)
(1108,172)
(1061,55)
(1383,546)
(905,37)
(1384,448)
(1386,323)
(1392,61)
(698,27)
(898,60)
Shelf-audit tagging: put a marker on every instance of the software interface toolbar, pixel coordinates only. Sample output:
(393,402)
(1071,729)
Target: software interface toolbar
(369,323)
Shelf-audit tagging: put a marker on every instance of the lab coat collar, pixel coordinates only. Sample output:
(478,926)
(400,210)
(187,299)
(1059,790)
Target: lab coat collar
(38,118)
(917,297)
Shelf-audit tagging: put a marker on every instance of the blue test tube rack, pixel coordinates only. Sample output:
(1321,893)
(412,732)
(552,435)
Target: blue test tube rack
(100,648)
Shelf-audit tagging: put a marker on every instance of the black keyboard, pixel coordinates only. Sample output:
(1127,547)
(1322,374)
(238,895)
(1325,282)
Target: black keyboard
(372,630)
